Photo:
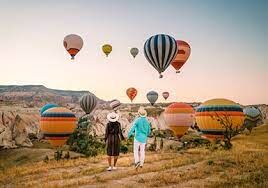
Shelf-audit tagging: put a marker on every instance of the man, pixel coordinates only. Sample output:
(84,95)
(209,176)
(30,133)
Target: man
(141,130)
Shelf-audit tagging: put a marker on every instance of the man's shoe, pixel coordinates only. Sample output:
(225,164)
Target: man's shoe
(137,165)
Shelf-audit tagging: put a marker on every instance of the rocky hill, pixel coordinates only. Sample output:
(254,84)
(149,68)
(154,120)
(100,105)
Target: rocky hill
(38,95)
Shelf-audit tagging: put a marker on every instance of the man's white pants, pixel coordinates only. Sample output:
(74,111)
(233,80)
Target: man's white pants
(139,152)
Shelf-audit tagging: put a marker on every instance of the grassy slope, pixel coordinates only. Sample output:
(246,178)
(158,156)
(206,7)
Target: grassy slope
(246,165)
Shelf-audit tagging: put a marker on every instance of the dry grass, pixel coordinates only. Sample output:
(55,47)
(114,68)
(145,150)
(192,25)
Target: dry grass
(245,165)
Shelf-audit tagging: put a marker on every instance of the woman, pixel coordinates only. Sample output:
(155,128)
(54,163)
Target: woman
(141,128)
(112,138)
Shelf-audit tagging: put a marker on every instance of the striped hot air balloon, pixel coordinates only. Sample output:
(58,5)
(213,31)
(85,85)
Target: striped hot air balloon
(209,112)
(165,95)
(131,93)
(184,51)
(88,103)
(73,44)
(252,114)
(179,117)
(152,97)
(57,124)
(160,50)
(115,104)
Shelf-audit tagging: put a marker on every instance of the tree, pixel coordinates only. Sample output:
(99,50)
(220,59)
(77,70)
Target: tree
(230,129)
(84,141)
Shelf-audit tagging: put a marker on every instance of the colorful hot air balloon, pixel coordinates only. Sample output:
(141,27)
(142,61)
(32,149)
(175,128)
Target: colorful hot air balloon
(107,49)
(179,117)
(115,104)
(252,114)
(88,103)
(207,117)
(57,124)
(184,51)
(131,93)
(73,44)
(46,107)
(160,50)
(165,95)
(152,97)
(134,52)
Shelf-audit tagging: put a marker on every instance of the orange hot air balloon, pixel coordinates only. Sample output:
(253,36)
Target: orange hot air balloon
(131,93)
(57,124)
(182,55)
(208,114)
(73,44)
(179,117)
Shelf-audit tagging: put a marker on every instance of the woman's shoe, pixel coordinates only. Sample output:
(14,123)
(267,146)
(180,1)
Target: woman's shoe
(137,165)
(114,168)
(109,169)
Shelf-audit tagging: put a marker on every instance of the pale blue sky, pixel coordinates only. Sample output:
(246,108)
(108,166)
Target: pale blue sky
(228,39)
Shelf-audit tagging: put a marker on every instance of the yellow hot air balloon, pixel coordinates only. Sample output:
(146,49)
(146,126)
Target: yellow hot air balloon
(207,117)
(179,117)
(107,49)
(57,124)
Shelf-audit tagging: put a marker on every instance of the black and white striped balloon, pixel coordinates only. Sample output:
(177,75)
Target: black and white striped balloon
(159,51)
(88,103)
(115,104)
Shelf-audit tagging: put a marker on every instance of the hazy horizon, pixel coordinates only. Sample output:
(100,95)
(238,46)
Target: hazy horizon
(228,41)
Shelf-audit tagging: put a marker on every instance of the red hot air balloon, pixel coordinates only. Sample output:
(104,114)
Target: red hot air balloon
(73,44)
(131,93)
(165,95)
(184,51)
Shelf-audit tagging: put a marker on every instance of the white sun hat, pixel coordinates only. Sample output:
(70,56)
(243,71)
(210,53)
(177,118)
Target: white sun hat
(113,117)
(142,112)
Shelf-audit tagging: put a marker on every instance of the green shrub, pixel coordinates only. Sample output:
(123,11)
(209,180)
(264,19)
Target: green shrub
(82,141)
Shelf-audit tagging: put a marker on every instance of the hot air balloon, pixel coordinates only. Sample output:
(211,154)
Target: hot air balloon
(134,52)
(73,44)
(57,124)
(115,104)
(152,97)
(107,49)
(252,114)
(160,50)
(179,117)
(184,51)
(88,103)
(131,93)
(165,95)
(46,107)
(207,117)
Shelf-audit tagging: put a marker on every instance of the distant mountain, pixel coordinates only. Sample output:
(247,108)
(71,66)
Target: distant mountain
(37,95)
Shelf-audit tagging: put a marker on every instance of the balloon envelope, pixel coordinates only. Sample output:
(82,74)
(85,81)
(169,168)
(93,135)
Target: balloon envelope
(152,97)
(184,51)
(165,95)
(46,107)
(160,50)
(88,103)
(73,44)
(134,52)
(252,113)
(107,49)
(179,117)
(207,120)
(115,104)
(57,124)
(131,93)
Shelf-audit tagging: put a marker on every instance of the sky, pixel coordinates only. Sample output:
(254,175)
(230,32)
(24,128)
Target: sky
(229,42)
